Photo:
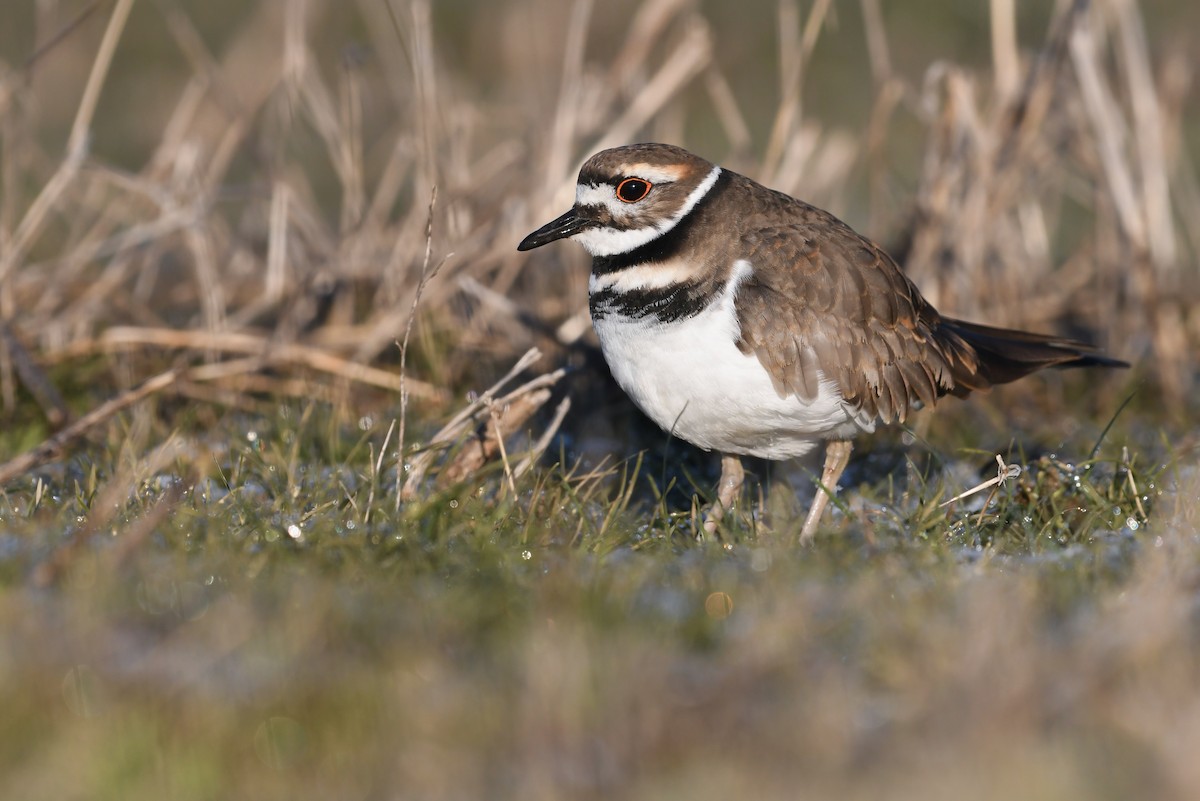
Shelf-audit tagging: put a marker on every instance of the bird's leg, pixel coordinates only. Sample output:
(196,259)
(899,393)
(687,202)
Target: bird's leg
(729,488)
(837,456)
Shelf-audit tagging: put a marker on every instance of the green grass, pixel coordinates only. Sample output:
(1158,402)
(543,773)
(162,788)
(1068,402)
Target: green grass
(283,631)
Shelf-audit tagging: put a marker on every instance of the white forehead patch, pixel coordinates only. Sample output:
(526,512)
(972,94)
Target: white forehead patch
(611,241)
(596,195)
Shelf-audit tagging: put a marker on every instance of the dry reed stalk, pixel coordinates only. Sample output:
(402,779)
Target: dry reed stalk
(34,378)
(733,121)
(416,469)
(543,441)
(502,420)
(687,60)
(242,376)
(1146,228)
(1006,60)
(993,167)
(643,35)
(1149,132)
(230,392)
(266,351)
(277,256)
(36,216)
(560,151)
(426,275)
(793,56)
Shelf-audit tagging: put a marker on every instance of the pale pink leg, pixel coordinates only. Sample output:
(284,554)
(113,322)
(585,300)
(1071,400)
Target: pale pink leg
(837,456)
(729,489)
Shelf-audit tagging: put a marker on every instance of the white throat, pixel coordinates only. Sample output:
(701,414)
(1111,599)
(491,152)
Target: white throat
(614,241)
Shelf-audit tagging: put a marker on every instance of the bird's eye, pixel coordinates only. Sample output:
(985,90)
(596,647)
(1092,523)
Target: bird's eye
(631,190)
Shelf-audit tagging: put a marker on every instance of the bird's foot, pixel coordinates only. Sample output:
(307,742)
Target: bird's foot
(729,488)
(837,456)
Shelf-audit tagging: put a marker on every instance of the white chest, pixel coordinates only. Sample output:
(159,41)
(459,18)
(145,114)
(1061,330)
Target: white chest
(690,378)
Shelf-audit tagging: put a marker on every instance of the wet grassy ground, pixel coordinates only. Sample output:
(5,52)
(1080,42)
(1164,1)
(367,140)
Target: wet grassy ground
(254,618)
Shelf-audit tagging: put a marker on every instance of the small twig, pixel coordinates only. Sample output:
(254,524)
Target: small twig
(508,472)
(514,413)
(426,274)
(374,482)
(1004,472)
(1111,420)
(454,428)
(543,442)
(509,309)
(539,382)
(383,448)
(451,429)
(1137,495)
(62,33)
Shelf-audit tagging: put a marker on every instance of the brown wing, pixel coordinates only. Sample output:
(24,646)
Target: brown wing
(824,298)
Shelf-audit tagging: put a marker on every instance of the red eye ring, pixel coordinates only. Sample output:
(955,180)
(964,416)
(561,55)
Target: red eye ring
(631,190)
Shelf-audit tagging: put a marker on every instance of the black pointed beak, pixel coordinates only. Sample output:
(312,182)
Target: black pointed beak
(566,225)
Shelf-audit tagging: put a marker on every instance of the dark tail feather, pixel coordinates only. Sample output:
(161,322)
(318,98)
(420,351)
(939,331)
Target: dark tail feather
(1006,355)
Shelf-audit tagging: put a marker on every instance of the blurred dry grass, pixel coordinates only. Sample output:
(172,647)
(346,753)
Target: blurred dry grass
(278,187)
(232,202)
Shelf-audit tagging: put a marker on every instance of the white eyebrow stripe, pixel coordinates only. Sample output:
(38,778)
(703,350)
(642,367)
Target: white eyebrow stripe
(654,174)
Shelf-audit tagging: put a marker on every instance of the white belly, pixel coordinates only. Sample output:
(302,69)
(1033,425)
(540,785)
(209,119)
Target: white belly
(690,378)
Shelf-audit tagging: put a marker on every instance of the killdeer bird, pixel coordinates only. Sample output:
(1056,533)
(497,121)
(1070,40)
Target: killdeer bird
(748,322)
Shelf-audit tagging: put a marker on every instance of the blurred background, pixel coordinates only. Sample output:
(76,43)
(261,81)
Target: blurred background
(268,167)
